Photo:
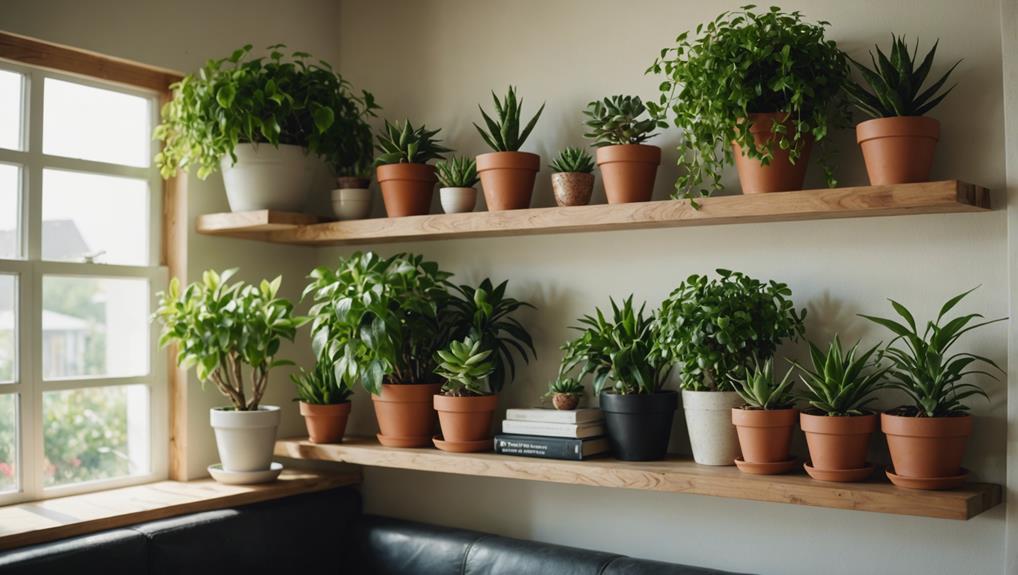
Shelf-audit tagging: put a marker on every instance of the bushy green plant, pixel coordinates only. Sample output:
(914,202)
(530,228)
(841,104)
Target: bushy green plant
(465,365)
(924,367)
(842,383)
(572,160)
(713,328)
(745,62)
(756,386)
(894,85)
(505,135)
(320,386)
(219,327)
(565,385)
(458,172)
(404,144)
(618,120)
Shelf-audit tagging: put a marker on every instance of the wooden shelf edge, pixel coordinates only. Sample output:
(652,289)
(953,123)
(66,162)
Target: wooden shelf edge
(257,222)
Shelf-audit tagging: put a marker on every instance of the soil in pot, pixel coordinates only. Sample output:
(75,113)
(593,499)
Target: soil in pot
(898,150)
(245,439)
(406,417)
(628,172)
(266,177)
(352,183)
(407,189)
(709,421)
(465,421)
(508,179)
(325,423)
(572,188)
(838,445)
(765,437)
(780,174)
(926,447)
(565,401)
(640,425)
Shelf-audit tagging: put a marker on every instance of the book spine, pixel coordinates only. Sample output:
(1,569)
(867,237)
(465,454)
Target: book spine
(545,447)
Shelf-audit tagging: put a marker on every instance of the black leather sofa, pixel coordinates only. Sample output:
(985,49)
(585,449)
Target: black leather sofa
(314,533)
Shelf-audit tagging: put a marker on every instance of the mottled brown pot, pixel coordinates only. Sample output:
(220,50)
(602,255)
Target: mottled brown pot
(465,418)
(780,175)
(406,188)
(926,447)
(764,434)
(405,414)
(326,423)
(572,188)
(508,179)
(628,172)
(898,150)
(351,183)
(838,442)
(565,401)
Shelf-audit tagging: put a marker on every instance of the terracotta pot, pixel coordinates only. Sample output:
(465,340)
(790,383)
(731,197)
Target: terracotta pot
(764,434)
(572,188)
(326,423)
(838,442)
(405,414)
(780,175)
(926,447)
(565,401)
(898,150)
(406,188)
(465,419)
(508,179)
(628,172)
(353,183)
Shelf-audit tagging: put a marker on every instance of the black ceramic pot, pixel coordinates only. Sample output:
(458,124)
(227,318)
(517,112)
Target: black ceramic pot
(639,426)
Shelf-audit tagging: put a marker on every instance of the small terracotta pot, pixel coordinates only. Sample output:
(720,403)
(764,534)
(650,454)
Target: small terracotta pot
(572,188)
(780,175)
(466,419)
(926,447)
(565,401)
(838,442)
(406,188)
(405,414)
(508,179)
(764,434)
(350,182)
(326,423)
(898,150)
(628,172)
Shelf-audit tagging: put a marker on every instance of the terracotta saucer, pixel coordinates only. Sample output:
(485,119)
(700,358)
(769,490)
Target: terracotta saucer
(463,446)
(389,441)
(839,475)
(775,468)
(934,483)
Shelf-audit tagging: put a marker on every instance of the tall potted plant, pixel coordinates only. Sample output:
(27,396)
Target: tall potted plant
(507,174)
(764,425)
(572,182)
(619,127)
(350,154)
(403,172)
(466,405)
(324,402)
(457,178)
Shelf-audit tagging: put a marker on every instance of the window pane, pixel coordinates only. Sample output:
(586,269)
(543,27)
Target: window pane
(95,124)
(94,433)
(10,214)
(10,110)
(94,217)
(8,442)
(8,325)
(94,327)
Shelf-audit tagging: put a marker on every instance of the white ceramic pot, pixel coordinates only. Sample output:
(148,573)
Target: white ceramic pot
(709,421)
(351,203)
(458,200)
(267,178)
(245,438)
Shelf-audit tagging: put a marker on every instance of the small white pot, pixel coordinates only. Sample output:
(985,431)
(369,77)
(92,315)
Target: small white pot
(245,438)
(351,203)
(709,421)
(458,200)
(267,178)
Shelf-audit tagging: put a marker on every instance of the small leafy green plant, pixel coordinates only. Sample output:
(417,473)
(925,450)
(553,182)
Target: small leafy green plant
(756,386)
(572,160)
(565,385)
(504,135)
(618,120)
(320,385)
(465,365)
(458,172)
(404,144)
(842,383)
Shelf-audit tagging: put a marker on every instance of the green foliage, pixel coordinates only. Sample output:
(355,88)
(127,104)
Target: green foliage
(745,62)
(842,383)
(465,365)
(278,100)
(924,368)
(617,120)
(320,386)
(573,160)
(459,172)
(565,385)
(895,83)
(219,327)
(85,435)
(756,386)
(714,328)
(404,144)
(505,135)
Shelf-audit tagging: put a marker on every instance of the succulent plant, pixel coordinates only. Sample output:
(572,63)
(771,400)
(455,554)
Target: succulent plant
(465,365)
(458,172)
(505,135)
(404,144)
(756,386)
(842,383)
(320,385)
(573,160)
(565,385)
(616,120)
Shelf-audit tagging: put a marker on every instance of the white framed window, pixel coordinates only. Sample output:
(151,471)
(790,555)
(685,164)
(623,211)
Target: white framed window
(83,392)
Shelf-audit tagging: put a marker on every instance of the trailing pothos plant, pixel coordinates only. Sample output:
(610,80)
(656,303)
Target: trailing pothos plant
(745,62)
(219,328)
(465,365)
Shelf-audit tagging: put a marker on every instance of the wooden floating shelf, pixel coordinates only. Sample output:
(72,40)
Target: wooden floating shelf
(673,475)
(923,198)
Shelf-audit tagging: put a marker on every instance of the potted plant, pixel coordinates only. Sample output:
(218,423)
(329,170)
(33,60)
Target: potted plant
(507,174)
(627,377)
(755,88)
(712,329)
(258,119)
(403,172)
(324,402)
(572,181)
(619,130)
(457,178)
(899,141)
(565,393)
(351,160)
(466,406)
(838,424)
(765,423)
(219,328)
(927,438)
(380,322)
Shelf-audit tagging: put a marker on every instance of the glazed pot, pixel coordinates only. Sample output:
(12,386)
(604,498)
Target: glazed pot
(709,422)
(838,443)
(466,420)
(572,188)
(351,203)
(898,150)
(457,200)
(325,423)
(628,172)
(406,417)
(780,175)
(267,178)
(565,401)
(640,425)
(508,179)
(245,439)
(926,447)
(407,189)
(765,435)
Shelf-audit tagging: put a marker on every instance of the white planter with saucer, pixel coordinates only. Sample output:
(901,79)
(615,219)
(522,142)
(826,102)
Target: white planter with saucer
(458,200)
(267,178)
(245,440)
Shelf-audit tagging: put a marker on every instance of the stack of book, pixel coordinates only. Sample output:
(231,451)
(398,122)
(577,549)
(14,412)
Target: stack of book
(552,434)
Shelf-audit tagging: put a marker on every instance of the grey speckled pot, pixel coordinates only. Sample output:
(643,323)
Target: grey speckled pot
(709,421)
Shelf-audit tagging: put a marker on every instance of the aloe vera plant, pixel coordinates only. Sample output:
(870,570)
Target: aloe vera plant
(465,365)
(404,144)
(616,120)
(504,135)
(320,386)
(458,172)
(572,160)
(895,82)
(842,382)
(756,386)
